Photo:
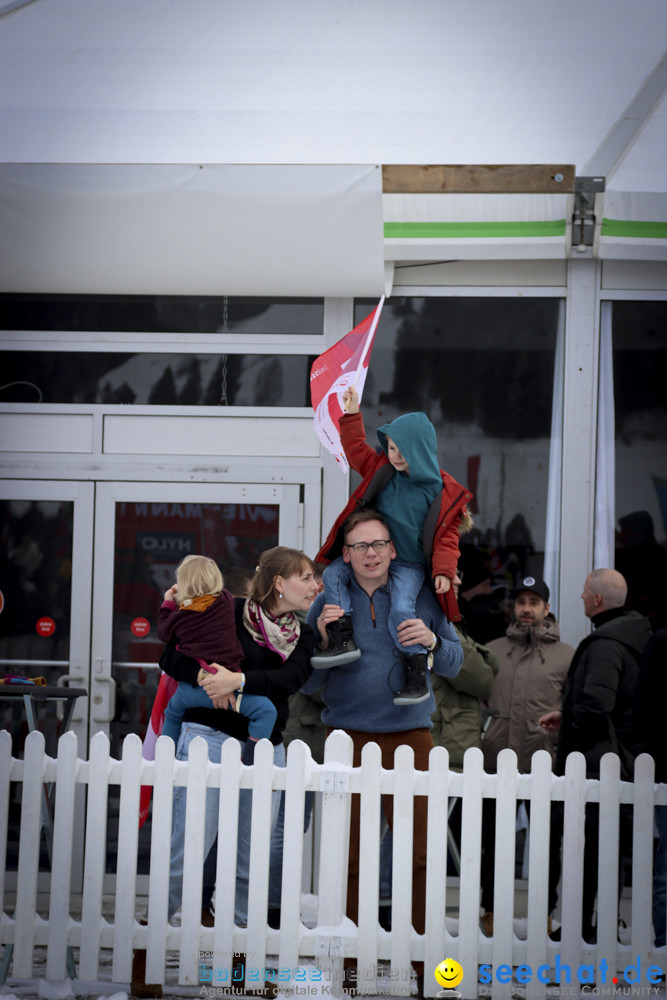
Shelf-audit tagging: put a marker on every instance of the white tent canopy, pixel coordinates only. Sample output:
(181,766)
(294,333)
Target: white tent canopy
(169,83)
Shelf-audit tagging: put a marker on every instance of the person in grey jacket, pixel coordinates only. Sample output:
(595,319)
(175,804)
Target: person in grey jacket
(533,668)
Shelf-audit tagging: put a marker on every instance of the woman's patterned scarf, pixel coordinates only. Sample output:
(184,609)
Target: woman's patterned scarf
(279,634)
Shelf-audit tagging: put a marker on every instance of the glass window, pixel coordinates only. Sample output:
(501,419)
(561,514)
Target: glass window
(156,379)
(162,314)
(35,584)
(35,603)
(639,337)
(482,369)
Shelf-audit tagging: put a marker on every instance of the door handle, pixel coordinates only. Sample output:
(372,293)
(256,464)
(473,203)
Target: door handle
(70,678)
(75,680)
(112,698)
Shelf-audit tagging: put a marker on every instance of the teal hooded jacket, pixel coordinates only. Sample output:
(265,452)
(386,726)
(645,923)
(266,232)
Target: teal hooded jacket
(405,500)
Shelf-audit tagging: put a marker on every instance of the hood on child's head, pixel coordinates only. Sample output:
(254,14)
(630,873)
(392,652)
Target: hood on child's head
(414,436)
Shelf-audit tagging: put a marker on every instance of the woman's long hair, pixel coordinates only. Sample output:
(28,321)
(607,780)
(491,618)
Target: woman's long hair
(278,561)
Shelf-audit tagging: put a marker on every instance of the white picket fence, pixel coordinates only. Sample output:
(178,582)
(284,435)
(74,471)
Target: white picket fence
(325,945)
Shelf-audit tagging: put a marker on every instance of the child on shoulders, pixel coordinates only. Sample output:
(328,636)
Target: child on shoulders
(426,510)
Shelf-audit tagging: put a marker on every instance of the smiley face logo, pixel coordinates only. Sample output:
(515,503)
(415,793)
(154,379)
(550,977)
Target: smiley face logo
(449,973)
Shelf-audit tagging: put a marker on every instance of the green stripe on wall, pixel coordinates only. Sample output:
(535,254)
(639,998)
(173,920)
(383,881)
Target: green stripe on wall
(638,230)
(463,230)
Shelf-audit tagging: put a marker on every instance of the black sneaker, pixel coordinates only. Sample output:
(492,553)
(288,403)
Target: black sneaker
(342,647)
(416,689)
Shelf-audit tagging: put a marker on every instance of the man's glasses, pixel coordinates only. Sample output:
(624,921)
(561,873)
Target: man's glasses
(361,548)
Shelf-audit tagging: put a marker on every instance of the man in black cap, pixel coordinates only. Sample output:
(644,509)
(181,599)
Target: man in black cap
(533,669)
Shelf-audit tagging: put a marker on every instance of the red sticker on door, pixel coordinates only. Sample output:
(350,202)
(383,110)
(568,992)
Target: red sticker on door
(45,626)
(140,627)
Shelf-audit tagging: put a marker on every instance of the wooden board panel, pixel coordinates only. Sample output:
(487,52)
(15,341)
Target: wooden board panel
(526,178)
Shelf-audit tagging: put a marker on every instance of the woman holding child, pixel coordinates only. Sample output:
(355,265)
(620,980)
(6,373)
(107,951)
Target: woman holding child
(276,650)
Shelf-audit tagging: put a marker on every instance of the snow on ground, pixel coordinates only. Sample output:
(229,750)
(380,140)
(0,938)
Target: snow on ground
(38,988)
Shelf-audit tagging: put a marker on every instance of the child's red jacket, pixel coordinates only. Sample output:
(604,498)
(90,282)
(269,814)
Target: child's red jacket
(365,460)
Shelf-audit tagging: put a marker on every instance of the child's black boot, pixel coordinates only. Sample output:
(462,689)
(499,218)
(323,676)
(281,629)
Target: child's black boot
(342,647)
(415,688)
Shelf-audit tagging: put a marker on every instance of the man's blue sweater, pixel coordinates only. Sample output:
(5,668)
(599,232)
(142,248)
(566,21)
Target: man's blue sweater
(359,695)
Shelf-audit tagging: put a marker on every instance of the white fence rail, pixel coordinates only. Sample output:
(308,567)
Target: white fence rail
(325,945)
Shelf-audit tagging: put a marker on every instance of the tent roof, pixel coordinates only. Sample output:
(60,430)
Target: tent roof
(383,81)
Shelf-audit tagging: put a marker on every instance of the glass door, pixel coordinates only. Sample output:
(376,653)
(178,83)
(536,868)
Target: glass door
(142,531)
(46,546)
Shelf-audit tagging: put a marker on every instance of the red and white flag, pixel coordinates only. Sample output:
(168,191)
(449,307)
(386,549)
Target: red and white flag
(166,687)
(344,364)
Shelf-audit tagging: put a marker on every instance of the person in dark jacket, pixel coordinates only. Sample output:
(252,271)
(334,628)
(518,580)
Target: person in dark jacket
(599,691)
(649,716)
(597,708)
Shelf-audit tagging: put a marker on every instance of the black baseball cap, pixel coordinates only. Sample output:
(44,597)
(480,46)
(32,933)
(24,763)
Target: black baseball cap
(538,587)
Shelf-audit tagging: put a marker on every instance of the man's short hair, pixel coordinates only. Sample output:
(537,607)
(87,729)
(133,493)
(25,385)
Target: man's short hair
(610,585)
(360,517)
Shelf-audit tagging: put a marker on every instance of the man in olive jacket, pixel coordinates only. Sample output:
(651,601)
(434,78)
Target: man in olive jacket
(533,669)
(457,720)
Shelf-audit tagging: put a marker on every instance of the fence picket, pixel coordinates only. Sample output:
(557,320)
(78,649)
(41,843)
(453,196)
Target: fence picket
(260,844)
(95,859)
(193,864)
(505,841)
(369,865)
(336,787)
(61,865)
(401,876)
(126,866)
(573,851)
(298,761)
(471,847)
(538,867)
(166,772)
(29,844)
(437,940)
(608,857)
(642,857)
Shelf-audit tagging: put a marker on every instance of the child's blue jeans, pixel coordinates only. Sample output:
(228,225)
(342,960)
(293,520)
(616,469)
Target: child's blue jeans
(405,582)
(258,710)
